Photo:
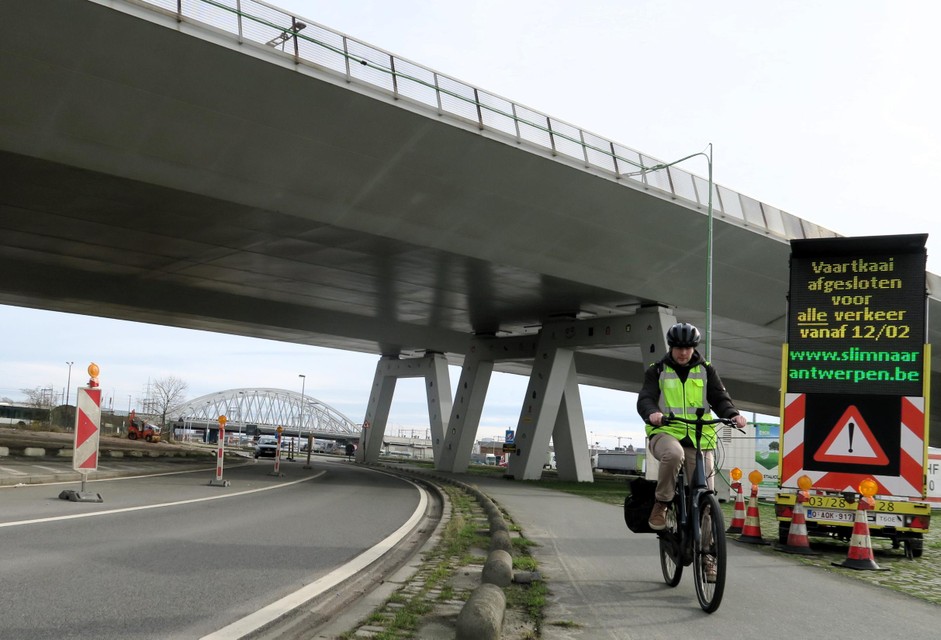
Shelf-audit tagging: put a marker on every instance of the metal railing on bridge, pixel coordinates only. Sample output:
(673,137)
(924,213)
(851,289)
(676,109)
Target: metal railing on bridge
(320,47)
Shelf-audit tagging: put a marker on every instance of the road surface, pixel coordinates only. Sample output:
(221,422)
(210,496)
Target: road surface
(171,556)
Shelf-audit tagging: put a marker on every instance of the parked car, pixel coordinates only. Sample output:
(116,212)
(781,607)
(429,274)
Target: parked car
(266,447)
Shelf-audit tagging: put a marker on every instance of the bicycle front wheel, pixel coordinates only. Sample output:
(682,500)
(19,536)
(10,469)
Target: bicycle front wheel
(709,558)
(671,554)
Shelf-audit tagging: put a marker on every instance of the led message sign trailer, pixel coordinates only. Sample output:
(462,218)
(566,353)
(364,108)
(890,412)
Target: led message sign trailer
(856,315)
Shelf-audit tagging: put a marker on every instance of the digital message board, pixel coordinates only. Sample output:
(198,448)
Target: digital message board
(856,321)
(854,375)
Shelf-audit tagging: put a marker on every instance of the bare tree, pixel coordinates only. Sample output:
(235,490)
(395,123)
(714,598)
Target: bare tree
(39,397)
(167,393)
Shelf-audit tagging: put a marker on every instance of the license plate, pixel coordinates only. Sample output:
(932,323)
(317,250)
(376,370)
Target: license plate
(886,519)
(838,515)
(830,515)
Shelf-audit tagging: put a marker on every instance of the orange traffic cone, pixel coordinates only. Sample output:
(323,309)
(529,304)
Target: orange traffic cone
(738,515)
(751,532)
(797,541)
(860,554)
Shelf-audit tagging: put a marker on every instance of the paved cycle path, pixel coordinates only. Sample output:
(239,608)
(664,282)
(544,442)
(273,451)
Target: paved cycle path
(607,581)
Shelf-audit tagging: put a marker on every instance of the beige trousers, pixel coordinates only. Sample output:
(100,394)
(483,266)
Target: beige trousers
(671,455)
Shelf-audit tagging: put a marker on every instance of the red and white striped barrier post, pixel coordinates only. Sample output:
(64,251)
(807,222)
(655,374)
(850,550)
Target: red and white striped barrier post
(87,435)
(277,456)
(220,456)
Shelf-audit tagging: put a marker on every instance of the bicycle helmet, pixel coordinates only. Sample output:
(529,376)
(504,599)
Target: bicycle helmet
(683,334)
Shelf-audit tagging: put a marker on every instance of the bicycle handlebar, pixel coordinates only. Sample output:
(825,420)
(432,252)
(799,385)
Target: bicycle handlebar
(667,419)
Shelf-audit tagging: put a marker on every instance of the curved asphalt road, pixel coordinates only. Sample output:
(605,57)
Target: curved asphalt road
(188,569)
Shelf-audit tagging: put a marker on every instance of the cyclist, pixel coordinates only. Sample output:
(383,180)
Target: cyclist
(681,382)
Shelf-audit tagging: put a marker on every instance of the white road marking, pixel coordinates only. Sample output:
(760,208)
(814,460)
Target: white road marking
(270,613)
(13,472)
(161,505)
(101,468)
(52,469)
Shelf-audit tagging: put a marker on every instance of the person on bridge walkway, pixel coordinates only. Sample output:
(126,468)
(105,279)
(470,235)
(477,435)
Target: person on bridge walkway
(681,382)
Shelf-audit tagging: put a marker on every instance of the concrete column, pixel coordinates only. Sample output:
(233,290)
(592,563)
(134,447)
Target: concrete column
(433,367)
(476,373)
(377,411)
(465,415)
(438,389)
(552,406)
(540,410)
(571,443)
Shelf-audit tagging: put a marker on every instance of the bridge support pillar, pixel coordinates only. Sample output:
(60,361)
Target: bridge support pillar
(553,408)
(433,367)
(465,415)
(472,387)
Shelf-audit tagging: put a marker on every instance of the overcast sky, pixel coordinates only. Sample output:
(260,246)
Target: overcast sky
(827,110)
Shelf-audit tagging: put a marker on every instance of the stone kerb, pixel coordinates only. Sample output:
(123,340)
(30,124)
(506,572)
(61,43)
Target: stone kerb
(481,617)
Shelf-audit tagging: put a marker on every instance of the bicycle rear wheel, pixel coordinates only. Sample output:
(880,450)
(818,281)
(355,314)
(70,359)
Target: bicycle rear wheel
(671,562)
(709,559)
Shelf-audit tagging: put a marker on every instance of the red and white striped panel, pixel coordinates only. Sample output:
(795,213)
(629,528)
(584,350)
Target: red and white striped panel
(792,438)
(220,453)
(909,482)
(87,423)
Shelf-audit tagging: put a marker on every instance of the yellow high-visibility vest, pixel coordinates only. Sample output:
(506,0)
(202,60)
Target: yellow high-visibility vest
(682,399)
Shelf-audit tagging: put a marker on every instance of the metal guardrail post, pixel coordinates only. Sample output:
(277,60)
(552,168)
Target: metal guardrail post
(551,135)
(438,95)
(584,148)
(480,115)
(295,27)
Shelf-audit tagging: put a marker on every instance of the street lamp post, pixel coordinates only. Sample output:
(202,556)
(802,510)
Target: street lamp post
(68,383)
(707,154)
(241,416)
(300,420)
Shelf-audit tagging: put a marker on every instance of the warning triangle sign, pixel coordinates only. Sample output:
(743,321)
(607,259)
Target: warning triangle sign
(851,441)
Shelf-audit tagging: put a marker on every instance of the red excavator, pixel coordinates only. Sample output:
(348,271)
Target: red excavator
(138,429)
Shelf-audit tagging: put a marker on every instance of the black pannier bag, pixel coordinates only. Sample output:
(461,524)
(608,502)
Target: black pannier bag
(638,504)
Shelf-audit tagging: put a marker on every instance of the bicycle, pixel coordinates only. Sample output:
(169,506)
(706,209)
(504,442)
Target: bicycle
(695,531)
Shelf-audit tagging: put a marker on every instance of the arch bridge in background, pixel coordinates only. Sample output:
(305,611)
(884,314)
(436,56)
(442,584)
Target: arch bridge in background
(263,411)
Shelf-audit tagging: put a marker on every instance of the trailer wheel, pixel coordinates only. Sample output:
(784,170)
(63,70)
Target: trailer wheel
(132,436)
